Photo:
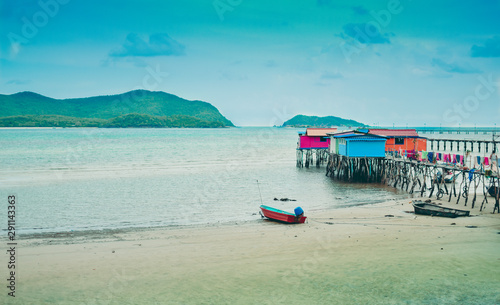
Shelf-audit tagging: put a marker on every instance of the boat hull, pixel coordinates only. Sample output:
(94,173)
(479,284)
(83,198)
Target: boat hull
(424,208)
(281,216)
(492,191)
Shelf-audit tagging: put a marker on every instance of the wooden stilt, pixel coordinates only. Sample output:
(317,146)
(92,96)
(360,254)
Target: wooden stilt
(405,174)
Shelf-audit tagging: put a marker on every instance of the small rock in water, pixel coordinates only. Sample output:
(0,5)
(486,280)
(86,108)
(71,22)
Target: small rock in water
(453,224)
(389,215)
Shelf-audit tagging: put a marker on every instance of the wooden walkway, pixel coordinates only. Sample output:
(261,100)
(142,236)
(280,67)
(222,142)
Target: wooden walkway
(424,178)
(457,130)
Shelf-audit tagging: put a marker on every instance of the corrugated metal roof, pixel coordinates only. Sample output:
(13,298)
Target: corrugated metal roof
(319,132)
(359,136)
(395,132)
(340,132)
(346,135)
(360,139)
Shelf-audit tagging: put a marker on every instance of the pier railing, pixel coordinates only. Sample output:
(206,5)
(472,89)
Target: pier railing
(457,130)
(462,145)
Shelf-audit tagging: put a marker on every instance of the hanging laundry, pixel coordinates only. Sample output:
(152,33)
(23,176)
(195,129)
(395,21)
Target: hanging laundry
(454,159)
(446,158)
(471,174)
(424,155)
(486,161)
(430,156)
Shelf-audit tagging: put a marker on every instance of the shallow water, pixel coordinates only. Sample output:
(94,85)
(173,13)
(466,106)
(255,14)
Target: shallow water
(81,179)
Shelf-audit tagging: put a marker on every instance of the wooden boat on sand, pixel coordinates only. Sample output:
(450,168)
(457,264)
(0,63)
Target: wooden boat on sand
(283,216)
(425,208)
(492,191)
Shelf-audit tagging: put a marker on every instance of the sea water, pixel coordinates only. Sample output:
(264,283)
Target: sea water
(89,178)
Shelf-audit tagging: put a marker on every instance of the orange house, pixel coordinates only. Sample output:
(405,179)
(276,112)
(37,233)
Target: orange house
(402,140)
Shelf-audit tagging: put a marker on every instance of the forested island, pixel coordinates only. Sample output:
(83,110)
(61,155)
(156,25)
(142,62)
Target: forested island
(139,108)
(315,121)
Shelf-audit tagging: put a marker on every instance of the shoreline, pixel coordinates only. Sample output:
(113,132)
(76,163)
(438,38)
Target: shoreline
(81,234)
(58,233)
(356,255)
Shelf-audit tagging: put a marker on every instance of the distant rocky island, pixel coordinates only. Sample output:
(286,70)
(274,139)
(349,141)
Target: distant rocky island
(139,108)
(315,121)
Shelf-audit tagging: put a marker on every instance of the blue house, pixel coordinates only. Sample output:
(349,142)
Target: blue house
(358,144)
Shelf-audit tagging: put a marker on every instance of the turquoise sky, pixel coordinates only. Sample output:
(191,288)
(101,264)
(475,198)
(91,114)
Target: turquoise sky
(261,62)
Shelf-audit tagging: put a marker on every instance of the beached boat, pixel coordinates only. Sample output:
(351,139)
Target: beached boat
(425,208)
(283,216)
(492,191)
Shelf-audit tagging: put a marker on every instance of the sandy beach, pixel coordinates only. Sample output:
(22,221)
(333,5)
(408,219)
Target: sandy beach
(377,254)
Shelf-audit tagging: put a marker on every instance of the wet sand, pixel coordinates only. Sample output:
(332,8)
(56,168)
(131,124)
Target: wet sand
(378,254)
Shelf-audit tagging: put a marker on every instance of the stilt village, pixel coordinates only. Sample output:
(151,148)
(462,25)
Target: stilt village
(451,168)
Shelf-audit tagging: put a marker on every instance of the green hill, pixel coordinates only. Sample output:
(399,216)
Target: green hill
(28,106)
(314,121)
(144,120)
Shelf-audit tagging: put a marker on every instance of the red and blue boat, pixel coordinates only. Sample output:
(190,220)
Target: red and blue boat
(283,216)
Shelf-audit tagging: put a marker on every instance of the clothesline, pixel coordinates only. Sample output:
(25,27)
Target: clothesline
(467,160)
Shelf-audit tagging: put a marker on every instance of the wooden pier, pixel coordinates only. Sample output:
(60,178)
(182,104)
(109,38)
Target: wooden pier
(457,130)
(415,177)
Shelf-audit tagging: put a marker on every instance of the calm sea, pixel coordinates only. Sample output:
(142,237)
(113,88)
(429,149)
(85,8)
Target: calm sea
(85,179)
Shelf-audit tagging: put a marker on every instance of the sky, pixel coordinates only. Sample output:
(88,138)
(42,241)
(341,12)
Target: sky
(382,63)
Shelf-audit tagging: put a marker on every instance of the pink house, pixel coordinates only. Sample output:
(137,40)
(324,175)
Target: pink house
(315,138)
